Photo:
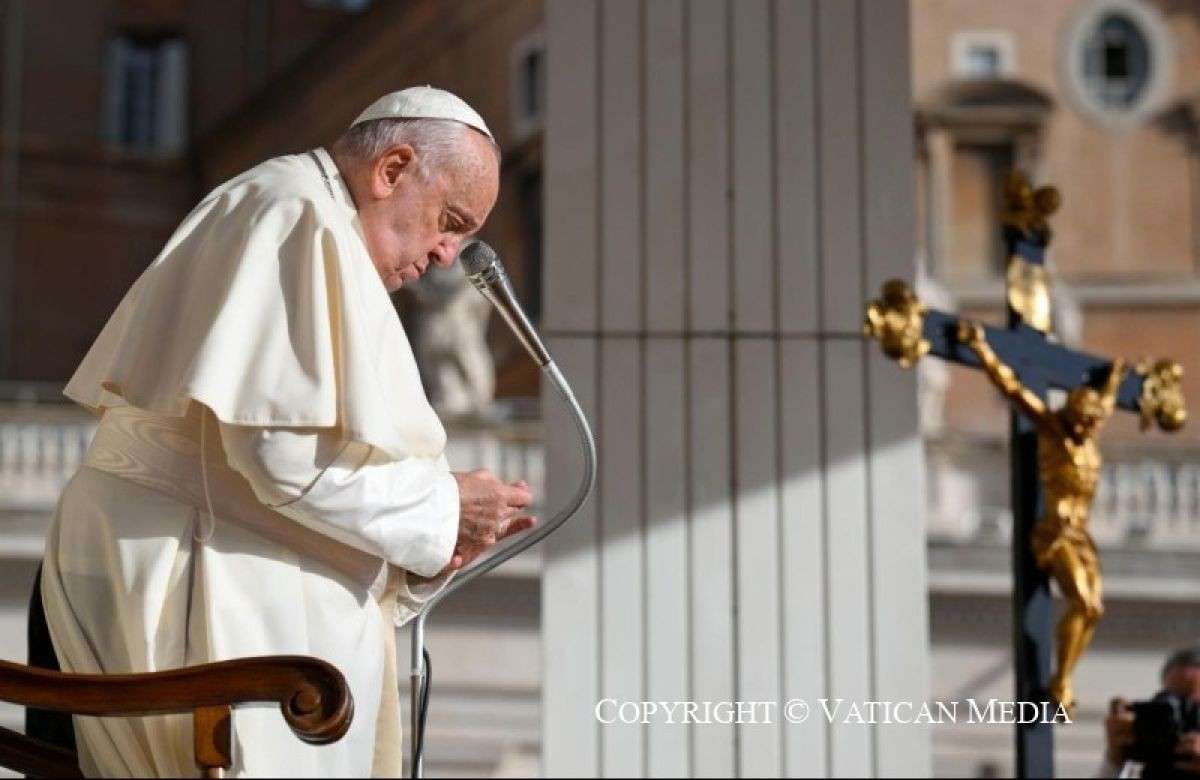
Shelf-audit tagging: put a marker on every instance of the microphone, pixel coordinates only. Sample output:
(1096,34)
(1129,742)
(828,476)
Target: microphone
(487,274)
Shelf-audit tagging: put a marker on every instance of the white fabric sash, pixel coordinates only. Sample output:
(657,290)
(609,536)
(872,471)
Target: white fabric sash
(163,454)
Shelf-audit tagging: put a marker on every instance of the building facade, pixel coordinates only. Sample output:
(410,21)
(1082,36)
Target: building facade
(1100,99)
(103,103)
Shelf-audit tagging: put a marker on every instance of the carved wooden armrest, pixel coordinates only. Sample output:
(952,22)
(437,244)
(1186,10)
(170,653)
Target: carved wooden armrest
(312,695)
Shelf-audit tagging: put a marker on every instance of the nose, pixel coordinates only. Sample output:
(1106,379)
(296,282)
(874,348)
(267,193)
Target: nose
(446,251)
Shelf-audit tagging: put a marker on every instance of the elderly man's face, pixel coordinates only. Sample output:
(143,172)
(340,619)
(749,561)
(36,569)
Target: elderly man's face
(412,220)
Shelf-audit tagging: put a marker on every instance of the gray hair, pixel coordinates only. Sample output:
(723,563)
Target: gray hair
(439,143)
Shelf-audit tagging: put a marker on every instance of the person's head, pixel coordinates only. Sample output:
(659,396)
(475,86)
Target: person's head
(1083,412)
(1181,673)
(421,186)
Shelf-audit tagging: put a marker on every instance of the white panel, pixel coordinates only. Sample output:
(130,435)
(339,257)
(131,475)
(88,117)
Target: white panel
(889,190)
(898,564)
(571,196)
(665,207)
(759,634)
(667,646)
(708,165)
(841,252)
(795,166)
(711,551)
(620,169)
(897,531)
(849,631)
(802,539)
(622,591)
(753,203)
(752,548)
(570,583)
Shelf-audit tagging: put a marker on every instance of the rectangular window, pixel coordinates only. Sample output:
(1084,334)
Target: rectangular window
(976,248)
(527,86)
(1116,61)
(983,62)
(146,94)
(982,54)
(531,215)
(531,86)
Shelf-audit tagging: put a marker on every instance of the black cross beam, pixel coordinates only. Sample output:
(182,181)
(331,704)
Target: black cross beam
(1035,359)
(1039,364)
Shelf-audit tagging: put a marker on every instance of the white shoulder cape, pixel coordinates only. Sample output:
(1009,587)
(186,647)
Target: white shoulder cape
(265,307)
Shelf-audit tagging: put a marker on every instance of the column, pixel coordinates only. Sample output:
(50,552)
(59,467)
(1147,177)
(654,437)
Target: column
(726,184)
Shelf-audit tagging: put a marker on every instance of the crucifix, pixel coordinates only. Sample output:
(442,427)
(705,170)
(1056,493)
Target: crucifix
(1054,456)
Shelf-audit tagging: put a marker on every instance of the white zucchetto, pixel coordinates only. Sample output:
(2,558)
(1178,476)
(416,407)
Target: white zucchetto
(424,103)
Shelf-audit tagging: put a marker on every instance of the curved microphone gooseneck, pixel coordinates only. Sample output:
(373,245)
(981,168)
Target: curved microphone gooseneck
(487,274)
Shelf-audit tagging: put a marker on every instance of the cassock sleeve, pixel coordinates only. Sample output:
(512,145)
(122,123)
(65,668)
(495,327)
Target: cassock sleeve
(405,512)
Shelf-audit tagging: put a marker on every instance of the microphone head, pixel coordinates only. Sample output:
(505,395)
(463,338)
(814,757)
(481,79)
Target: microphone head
(477,258)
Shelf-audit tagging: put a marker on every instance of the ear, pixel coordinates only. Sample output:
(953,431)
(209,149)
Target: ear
(390,167)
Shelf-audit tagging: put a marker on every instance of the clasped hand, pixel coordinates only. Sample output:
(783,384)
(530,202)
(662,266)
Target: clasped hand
(490,510)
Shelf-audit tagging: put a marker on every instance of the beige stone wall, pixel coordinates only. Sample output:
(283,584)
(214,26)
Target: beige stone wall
(1126,238)
(85,219)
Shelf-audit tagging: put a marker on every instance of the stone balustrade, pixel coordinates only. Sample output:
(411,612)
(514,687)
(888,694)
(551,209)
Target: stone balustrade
(1145,499)
(41,446)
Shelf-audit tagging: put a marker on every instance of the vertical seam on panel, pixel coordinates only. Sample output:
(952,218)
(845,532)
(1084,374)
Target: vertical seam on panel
(781,557)
(598,360)
(822,340)
(643,306)
(544,647)
(865,245)
(818,171)
(643,384)
(685,169)
(643,510)
(730,232)
(773,145)
(685,347)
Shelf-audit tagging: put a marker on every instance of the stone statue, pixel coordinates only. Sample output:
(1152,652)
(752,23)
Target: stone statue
(451,343)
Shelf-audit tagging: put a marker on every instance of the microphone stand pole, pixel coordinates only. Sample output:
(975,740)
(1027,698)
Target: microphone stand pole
(419,671)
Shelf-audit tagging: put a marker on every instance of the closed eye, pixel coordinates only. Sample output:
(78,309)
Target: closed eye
(456,222)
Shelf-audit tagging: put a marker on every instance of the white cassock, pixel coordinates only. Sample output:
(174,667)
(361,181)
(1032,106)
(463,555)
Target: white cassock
(264,333)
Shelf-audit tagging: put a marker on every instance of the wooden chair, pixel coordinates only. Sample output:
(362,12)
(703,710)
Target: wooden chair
(312,695)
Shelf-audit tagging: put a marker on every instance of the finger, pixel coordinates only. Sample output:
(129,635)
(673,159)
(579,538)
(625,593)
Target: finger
(517,526)
(518,495)
(1116,705)
(468,556)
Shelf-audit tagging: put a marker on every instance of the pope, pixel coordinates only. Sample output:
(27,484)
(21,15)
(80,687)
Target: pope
(268,476)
